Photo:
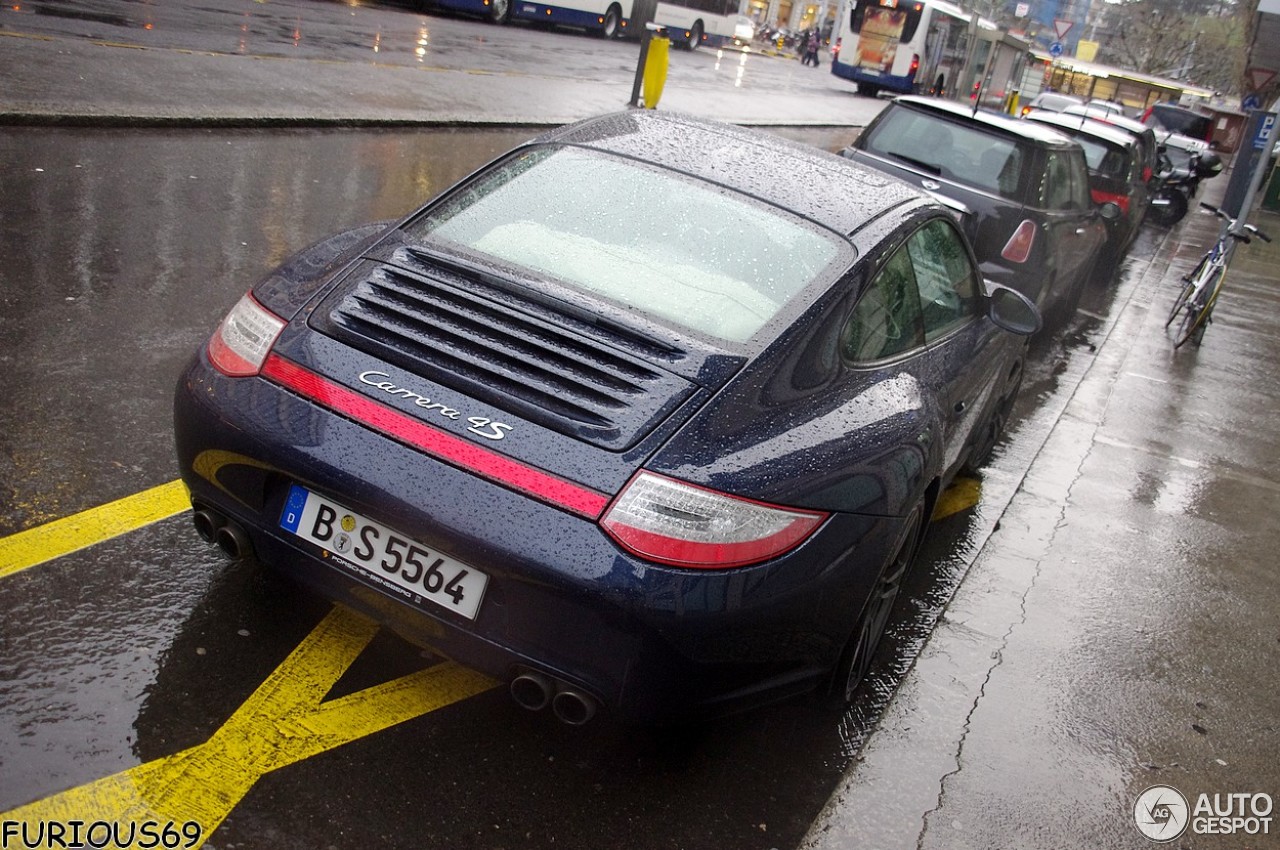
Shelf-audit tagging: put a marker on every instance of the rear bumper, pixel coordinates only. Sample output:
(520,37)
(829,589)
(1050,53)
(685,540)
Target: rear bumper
(653,644)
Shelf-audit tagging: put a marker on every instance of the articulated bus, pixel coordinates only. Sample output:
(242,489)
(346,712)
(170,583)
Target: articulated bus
(689,23)
(903,46)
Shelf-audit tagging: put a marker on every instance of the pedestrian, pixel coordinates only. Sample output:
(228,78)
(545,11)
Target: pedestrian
(811,46)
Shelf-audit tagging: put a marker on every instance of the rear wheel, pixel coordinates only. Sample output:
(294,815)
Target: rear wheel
(1188,287)
(1196,313)
(1171,211)
(612,22)
(695,36)
(499,11)
(856,659)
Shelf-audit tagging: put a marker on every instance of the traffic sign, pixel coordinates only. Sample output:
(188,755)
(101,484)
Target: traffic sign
(1251,101)
(1061,27)
(1259,77)
(1264,133)
(1055,49)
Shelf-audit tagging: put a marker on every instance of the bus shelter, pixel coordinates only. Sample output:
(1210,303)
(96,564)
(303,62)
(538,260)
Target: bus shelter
(995,70)
(1091,81)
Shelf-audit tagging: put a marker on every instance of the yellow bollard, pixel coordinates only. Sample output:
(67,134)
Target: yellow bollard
(1014,104)
(655,70)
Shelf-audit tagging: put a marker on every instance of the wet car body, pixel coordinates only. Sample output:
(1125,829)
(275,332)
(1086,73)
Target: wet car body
(1115,162)
(1050,102)
(1145,136)
(450,442)
(1024,188)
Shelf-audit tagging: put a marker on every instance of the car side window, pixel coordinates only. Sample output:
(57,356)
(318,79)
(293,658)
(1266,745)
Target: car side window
(1066,183)
(886,321)
(945,277)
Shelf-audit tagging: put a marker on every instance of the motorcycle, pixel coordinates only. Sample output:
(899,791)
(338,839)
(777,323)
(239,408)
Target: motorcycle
(1177,184)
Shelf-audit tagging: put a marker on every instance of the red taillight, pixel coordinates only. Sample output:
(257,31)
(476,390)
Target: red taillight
(1146,173)
(915,63)
(1018,248)
(244,339)
(835,51)
(670,522)
(1100,198)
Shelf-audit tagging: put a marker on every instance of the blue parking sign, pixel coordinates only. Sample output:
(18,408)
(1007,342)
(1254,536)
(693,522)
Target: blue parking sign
(1263,135)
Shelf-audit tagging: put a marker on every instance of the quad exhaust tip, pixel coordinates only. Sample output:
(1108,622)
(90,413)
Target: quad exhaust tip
(571,705)
(215,528)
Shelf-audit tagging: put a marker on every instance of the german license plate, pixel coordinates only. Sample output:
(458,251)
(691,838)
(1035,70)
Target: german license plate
(387,557)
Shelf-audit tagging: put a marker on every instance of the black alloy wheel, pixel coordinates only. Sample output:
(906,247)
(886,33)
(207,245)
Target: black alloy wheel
(855,662)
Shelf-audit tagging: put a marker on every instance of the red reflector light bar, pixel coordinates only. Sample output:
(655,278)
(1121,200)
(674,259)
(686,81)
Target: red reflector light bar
(462,453)
(1100,198)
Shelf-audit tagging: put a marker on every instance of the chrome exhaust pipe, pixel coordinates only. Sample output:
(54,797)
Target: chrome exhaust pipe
(573,707)
(207,523)
(234,542)
(532,690)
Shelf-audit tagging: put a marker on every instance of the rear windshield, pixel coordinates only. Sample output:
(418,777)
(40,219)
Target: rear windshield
(688,253)
(1105,160)
(1184,122)
(958,152)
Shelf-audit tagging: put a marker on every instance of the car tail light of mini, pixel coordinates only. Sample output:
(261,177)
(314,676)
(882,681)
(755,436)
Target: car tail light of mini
(1100,197)
(1018,248)
(671,522)
(243,340)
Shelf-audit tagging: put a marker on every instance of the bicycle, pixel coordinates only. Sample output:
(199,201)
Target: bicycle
(1200,288)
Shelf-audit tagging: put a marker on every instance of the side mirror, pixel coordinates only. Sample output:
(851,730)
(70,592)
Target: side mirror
(1110,211)
(1012,311)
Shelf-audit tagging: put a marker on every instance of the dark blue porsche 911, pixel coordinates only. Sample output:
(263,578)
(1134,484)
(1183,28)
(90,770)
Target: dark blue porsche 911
(647,415)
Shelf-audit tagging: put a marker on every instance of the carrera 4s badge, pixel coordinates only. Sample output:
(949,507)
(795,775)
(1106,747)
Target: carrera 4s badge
(481,426)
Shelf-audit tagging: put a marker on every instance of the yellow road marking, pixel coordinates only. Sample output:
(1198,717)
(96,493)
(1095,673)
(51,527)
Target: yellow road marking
(78,531)
(963,494)
(284,721)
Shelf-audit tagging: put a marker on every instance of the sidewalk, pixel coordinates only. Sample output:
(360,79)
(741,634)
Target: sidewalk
(1113,633)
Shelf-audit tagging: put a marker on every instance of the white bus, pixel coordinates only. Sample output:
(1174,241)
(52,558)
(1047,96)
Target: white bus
(903,46)
(689,23)
(694,23)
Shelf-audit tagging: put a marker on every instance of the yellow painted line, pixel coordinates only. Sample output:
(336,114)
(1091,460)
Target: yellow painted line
(963,494)
(64,536)
(284,721)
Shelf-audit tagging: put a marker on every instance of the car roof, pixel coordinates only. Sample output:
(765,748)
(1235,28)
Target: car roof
(994,121)
(1108,117)
(827,189)
(1082,125)
(1052,96)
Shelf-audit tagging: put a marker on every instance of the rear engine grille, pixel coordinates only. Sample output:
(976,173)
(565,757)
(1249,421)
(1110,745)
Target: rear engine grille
(517,357)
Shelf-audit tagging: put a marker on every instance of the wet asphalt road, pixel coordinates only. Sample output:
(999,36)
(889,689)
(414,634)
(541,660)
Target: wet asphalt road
(1104,619)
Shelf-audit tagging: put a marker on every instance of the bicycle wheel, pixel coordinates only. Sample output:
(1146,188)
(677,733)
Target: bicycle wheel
(1196,312)
(1189,283)
(1181,301)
